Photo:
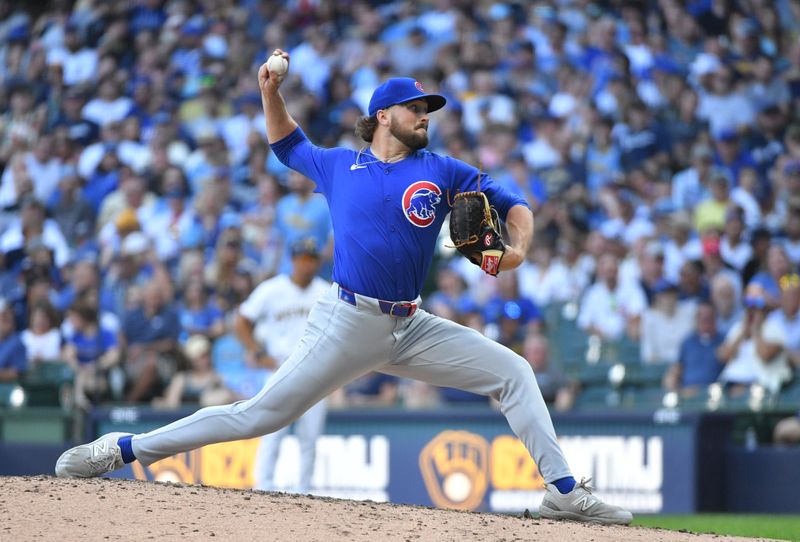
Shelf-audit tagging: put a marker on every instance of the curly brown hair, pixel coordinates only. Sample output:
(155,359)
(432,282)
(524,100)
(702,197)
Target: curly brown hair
(365,128)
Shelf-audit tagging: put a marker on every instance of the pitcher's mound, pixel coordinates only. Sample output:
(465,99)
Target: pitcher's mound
(45,508)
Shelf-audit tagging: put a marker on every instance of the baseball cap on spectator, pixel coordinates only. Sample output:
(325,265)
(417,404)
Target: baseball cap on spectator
(398,90)
(127,221)
(229,220)
(754,296)
(704,64)
(746,27)
(663,285)
(304,247)
(562,105)
(511,311)
(499,12)
(196,346)
(134,244)
(726,135)
(19,33)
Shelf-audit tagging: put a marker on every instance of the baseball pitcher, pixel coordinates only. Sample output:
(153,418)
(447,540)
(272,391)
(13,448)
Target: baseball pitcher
(387,203)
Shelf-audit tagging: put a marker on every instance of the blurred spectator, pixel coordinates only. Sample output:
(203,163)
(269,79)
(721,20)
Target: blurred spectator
(109,105)
(778,265)
(33,225)
(509,304)
(681,246)
(710,212)
(692,185)
(733,249)
(151,332)
(543,278)
(723,105)
(451,296)
(791,244)
(199,315)
(697,363)
(760,240)
(754,350)
(665,325)
(42,338)
(746,196)
(71,211)
(13,355)
(556,388)
(128,270)
(78,62)
(302,214)
(199,384)
(787,316)
(725,300)
(611,309)
(692,286)
(92,350)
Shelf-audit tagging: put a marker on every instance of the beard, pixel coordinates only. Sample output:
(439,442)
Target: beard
(408,137)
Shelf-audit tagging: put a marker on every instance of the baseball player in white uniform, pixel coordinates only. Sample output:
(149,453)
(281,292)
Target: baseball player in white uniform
(270,325)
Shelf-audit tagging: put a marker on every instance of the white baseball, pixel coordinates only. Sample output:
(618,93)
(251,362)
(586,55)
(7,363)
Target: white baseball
(277,64)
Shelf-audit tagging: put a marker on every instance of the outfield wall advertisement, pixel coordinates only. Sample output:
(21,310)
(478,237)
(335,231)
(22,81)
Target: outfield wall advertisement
(461,461)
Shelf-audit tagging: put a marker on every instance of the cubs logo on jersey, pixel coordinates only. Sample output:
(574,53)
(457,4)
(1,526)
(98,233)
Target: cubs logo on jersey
(420,201)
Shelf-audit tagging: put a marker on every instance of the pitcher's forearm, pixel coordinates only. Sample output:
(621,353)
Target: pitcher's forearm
(279,123)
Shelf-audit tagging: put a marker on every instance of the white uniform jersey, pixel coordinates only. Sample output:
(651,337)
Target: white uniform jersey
(279,309)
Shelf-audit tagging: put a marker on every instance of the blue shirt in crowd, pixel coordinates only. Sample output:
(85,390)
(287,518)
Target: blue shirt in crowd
(142,329)
(698,359)
(90,348)
(13,354)
(386,217)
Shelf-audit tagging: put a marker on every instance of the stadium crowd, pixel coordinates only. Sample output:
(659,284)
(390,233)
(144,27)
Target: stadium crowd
(658,143)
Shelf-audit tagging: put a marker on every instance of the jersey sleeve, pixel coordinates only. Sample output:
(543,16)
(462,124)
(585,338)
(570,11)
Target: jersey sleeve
(298,153)
(465,179)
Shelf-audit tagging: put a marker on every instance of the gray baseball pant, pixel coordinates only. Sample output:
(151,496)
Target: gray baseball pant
(343,342)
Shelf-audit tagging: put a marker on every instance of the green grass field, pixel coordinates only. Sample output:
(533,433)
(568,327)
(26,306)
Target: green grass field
(753,525)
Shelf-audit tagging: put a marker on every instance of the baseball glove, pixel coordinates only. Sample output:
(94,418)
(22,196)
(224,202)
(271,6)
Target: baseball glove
(474,229)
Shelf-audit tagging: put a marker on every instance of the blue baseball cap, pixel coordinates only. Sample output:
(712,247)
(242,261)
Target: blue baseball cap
(399,90)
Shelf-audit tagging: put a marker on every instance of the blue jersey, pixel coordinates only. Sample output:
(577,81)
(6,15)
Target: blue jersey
(386,217)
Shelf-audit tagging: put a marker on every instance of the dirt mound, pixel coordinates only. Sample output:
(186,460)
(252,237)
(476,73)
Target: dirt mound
(47,508)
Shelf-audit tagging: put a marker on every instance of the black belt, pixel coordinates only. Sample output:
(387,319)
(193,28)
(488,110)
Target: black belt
(398,309)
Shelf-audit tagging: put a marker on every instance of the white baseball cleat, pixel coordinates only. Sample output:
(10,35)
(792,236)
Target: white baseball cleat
(580,505)
(92,459)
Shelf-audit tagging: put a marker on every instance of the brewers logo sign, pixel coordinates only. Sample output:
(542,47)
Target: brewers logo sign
(455,466)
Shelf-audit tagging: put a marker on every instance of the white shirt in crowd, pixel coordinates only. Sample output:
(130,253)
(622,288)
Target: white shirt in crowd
(663,334)
(46,347)
(78,67)
(609,311)
(736,256)
(103,112)
(747,367)
(545,286)
(675,256)
(791,327)
(279,309)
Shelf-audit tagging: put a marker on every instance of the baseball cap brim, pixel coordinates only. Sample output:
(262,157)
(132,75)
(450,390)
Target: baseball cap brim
(435,101)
